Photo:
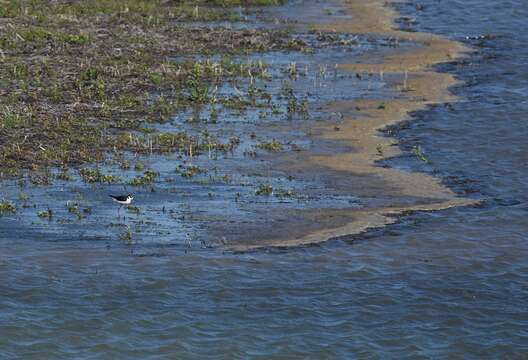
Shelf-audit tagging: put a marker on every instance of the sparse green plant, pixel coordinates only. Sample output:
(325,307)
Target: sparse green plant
(283,193)
(7,207)
(22,196)
(148,177)
(264,189)
(95,175)
(139,166)
(272,145)
(73,208)
(77,39)
(189,171)
(127,235)
(294,107)
(45,214)
(419,154)
(198,88)
(292,69)
(10,119)
(156,79)
(213,115)
(41,178)
(124,164)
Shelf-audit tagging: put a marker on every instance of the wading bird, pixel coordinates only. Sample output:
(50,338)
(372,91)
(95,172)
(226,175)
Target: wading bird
(122,200)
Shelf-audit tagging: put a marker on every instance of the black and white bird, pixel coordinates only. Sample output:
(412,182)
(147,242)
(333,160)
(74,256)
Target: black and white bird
(122,200)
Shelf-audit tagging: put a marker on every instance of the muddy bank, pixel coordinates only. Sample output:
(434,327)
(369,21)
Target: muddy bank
(385,192)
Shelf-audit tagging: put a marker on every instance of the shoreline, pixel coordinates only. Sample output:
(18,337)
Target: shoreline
(414,73)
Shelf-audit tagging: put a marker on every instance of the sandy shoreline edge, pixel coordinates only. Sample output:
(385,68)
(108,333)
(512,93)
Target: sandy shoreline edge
(421,88)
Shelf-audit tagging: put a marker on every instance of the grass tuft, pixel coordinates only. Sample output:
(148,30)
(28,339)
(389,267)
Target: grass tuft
(7,207)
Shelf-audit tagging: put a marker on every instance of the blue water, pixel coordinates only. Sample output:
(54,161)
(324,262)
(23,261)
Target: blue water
(442,285)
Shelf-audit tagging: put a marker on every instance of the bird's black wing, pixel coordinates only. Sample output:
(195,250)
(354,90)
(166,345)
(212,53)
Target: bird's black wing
(119,197)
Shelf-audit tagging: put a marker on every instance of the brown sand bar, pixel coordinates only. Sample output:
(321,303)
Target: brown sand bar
(390,192)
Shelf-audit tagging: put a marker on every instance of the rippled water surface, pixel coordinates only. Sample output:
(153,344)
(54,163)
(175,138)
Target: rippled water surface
(449,284)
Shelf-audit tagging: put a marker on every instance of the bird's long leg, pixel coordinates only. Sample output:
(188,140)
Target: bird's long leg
(119,209)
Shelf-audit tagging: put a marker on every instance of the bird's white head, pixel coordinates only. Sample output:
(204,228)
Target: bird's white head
(130,197)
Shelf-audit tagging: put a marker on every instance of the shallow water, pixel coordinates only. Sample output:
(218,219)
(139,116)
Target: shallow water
(449,284)
(219,205)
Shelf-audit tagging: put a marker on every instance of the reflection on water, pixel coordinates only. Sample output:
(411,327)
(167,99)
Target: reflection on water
(434,285)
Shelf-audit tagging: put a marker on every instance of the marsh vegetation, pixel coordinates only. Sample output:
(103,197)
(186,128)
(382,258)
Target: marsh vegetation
(82,80)
(165,100)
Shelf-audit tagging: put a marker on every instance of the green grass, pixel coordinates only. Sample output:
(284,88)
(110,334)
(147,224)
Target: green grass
(39,34)
(11,120)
